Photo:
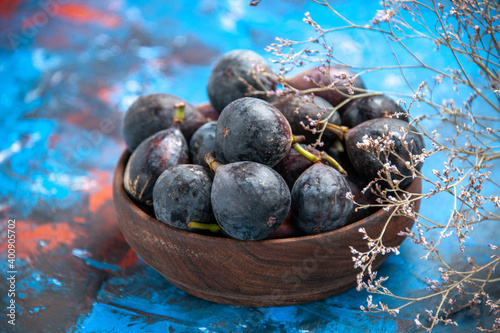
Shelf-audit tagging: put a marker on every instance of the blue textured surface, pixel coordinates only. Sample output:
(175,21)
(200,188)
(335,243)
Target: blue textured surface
(64,86)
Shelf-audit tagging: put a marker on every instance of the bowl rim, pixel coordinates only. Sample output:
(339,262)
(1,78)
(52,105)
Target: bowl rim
(118,184)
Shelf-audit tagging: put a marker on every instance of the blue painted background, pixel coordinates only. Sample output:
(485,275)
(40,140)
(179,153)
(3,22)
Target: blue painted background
(68,71)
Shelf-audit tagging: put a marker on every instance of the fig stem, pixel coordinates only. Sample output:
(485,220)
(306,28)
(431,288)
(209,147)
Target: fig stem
(298,139)
(213,227)
(212,161)
(339,130)
(179,112)
(324,157)
(311,157)
(334,163)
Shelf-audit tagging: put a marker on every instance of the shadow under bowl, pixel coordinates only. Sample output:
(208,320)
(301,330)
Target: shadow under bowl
(271,272)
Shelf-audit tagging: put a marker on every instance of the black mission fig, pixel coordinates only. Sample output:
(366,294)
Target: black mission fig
(300,113)
(182,195)
(250,129)
(383,141)
(152,113)
(154,155)
(230,77)
(202,142)
(319,200)
(249,200)
(371,107)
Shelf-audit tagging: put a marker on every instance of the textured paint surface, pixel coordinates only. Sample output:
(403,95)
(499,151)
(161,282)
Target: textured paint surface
(68,71)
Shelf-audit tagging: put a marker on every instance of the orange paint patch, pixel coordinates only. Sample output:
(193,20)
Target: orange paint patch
(104,194)
(81,13)
(73,12)
(79,219)
(34,238)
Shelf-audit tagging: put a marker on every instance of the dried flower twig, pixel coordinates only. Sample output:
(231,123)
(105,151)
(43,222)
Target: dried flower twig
(462,132)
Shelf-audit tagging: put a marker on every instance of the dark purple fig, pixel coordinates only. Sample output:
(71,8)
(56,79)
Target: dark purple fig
(249,200)
(328,77)
(202,142)
(154,155)
(371,107)
(250,129)
(182,195)
(293,165)
(319,200)
(152,113)
(300,112)
(230,77)
(368,161)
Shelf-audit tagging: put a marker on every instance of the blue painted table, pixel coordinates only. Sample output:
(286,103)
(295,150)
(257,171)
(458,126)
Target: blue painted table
(68,71)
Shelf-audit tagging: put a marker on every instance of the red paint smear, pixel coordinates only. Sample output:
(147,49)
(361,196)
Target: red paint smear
(53,139)
(27,23)
(7,7)
(130,259)
(102,196)
(81,13)
(83,118)
(52,234)
(105,94)
(78,117)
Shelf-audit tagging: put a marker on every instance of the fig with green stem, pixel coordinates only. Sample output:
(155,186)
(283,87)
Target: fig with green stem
(249,200)
(182,195)
(383,144)
(202,142)
(154,155)
(152,113)
(320,199)
(294,164)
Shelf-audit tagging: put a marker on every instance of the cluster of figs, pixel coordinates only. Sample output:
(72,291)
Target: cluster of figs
(245,167)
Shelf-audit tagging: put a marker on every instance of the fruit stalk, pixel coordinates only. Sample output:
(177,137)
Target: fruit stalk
(213,227)
(339,130)
(333,162)
(298,139)
(212,161)
(311,157)
(324,157)
(179,113)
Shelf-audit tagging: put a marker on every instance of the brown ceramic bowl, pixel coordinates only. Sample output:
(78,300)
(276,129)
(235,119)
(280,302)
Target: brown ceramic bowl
(272,272)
